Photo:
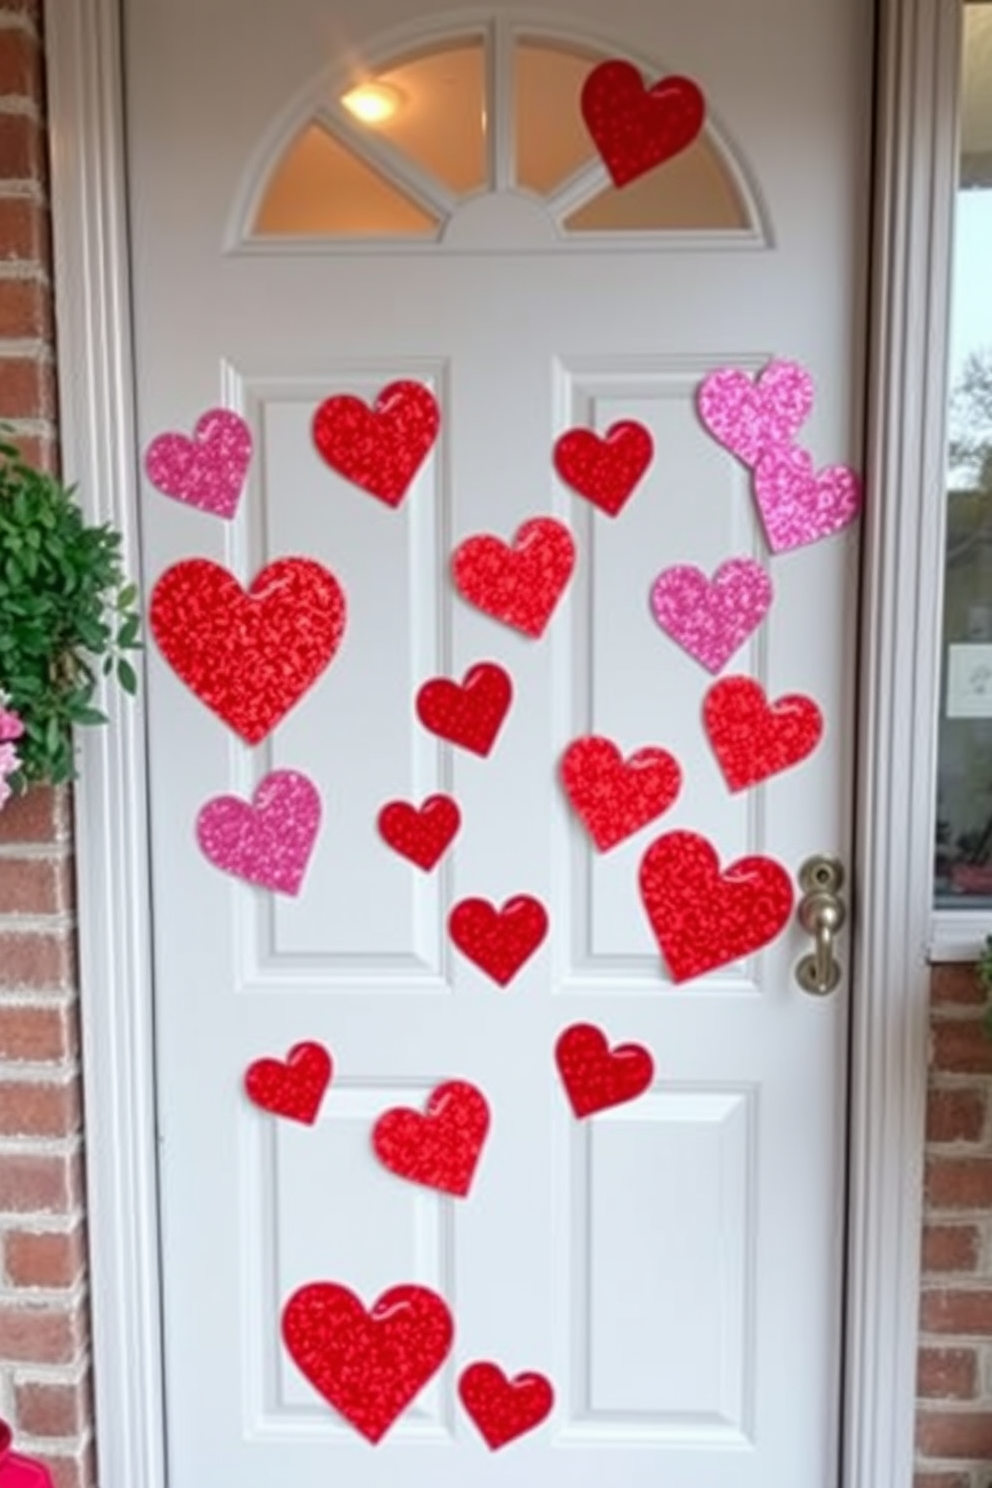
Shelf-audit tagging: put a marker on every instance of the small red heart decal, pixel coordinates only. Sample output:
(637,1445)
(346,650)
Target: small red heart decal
(498,941)
(635,128)
(519,584)
(503,1408)
(293,1087)
(469,713)
(702,918)
(368,1365)
(379,448)
(440,1148)
(605,469)
(423,834)
(596,1076)
(249,656)
(752,738)
(615,797)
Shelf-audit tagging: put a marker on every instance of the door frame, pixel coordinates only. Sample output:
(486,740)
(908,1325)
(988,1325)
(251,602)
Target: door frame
(914,181)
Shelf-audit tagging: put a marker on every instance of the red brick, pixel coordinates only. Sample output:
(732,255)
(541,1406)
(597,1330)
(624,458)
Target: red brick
(40,1335)
(947,1373)
(959,1183)
(25,310)
(30,1108)
(39,816)
(37,1034)
(961,1047)
(955,1115)
(76,1471)
(22,148)
(29,8)
(954,1436)
(941,1480)
(45,1259)
(20,65)
(42,454)
(27,387)
(33,961)
(956,985)
(39,1183)
(950,1247)
(25,230)
(52,1409)
(964,1313)
(33,886)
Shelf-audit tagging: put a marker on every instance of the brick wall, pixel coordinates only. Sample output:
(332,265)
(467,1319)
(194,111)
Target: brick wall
(44,1390)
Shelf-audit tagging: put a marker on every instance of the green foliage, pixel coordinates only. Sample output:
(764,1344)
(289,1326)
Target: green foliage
(67,616)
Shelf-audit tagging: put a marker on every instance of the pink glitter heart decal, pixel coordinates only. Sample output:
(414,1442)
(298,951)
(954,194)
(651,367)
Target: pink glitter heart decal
(749,416)
(207,471)
(269,842)
(799,504)
(441,1147)
(711,619)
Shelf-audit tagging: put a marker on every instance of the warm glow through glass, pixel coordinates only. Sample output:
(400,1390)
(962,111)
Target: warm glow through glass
(372,103)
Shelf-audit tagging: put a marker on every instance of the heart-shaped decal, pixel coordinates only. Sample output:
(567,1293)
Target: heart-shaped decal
(207,471)
(636,128)
(440,1148)
(605,468)
(469,713)
(596,1076)
(368,1365)
(750,415)
(712,618)
(752,738)
(703,918)
(248,656)
(519,584)
(421,834)
(800,504)
(503,1408)
(293,1087)
(379,448)
(268,842)
(498,941)
(615,797)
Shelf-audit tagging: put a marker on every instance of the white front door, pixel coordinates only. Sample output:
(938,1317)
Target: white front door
(656,1233)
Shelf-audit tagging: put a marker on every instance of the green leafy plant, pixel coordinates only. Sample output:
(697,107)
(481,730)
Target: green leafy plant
(67,616)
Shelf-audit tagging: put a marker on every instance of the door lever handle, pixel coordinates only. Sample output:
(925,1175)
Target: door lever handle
(821,913)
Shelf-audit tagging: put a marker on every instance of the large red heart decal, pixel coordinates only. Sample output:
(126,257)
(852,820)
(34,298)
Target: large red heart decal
(636,128)
(368,1365)
(423,833)
(440,1148)
(615,797)
(379,448)
(293,1087)
(249,656)
(596,1076)
(469,713)
(498,941)
(605,468)
(703,918)
(503,1408)
(521,583)
(752,738)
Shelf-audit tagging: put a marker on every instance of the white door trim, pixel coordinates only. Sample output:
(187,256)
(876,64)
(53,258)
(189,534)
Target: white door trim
(918,79)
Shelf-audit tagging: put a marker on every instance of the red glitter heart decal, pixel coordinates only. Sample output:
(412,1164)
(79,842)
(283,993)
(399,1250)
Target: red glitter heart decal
(293,1087)
(518,584)
(596,1076)
(379,448)
(605,469)
(635,128)
(503,1408)
(752,738)
(702,918)
(469,713)
(248,656)
(440,1148)
(423,834)
(616,797)
(368,1365)
(498,941)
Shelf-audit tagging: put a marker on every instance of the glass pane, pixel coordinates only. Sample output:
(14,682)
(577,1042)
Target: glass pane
(964,785)
(695,190)
(440,116)
(320,187)
(552,141)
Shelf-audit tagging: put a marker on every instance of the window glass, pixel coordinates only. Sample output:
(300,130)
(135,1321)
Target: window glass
(550,136)
(440,117)
(964,784)
(695,190)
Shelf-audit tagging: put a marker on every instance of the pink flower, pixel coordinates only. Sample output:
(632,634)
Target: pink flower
(11,724)
(9,760)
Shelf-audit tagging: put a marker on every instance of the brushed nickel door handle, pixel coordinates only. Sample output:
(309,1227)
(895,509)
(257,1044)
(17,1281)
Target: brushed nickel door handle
(821,913)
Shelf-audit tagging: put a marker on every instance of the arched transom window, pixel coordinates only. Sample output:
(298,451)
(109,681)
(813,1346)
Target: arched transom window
(397,151)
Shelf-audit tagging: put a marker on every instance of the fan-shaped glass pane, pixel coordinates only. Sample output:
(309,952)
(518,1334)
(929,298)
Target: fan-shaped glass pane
(694,191)
(321,188)
(552,141)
